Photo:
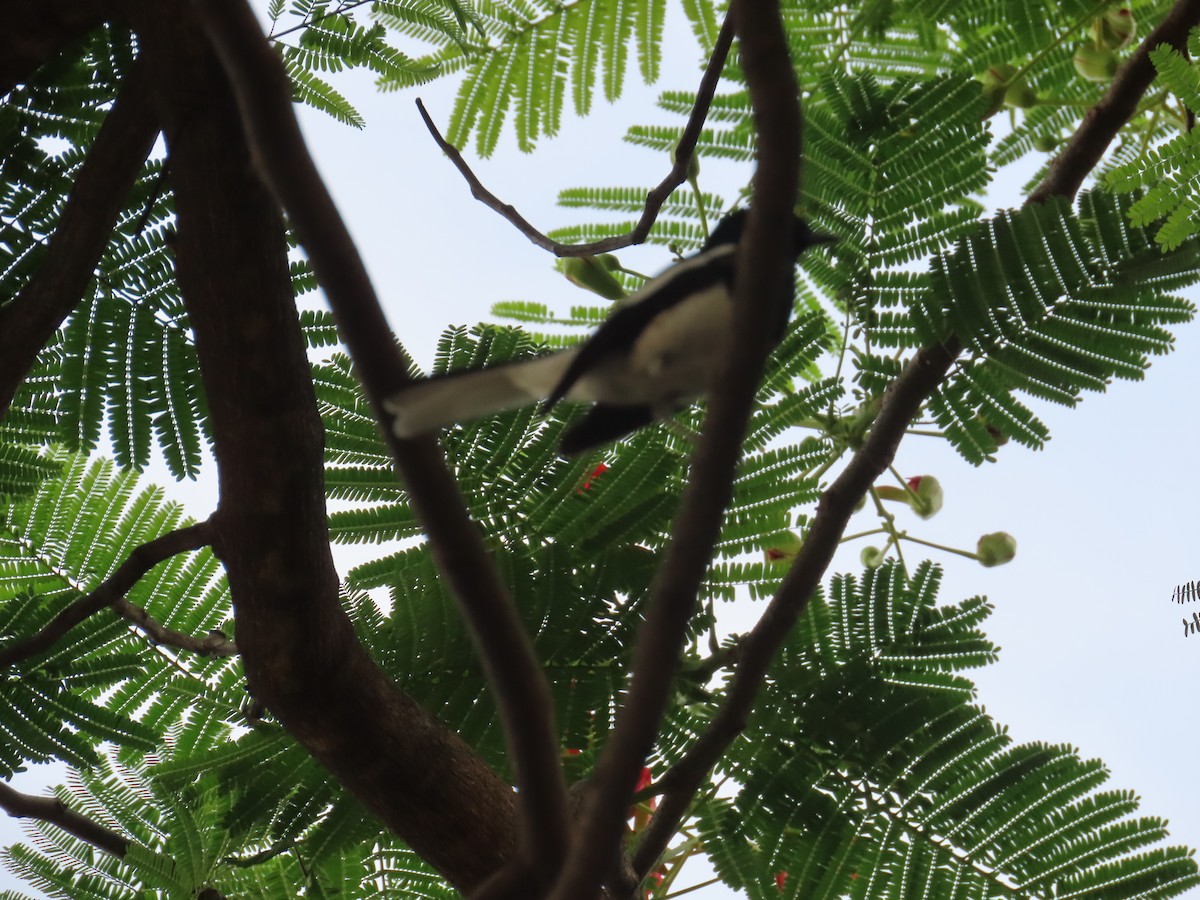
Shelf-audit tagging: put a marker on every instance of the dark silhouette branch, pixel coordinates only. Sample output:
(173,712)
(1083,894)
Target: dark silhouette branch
(520,686)
(902,402)
(54,811)
(764,267)
(302,658)
(655,198)
(70,258)
(903,399)
(34,32)
(215,643)
(57,813)
(1101,123)
(111,591)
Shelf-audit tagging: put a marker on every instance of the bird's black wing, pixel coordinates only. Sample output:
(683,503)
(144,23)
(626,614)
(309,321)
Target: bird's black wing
(617,334)
(603,423)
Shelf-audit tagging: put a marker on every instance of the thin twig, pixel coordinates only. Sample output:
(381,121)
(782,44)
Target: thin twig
(308,23)
(920,377)
(215,643)
(521,690)
(764,265)
(111,591)
(655,198)
(54,811)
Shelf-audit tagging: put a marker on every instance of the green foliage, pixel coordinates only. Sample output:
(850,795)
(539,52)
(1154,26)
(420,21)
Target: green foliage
(57,544)
(866,771)
(528,56)
(1170,173)
(1050,304)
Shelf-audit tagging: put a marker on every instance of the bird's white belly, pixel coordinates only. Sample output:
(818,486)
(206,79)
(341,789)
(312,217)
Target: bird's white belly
(672,363)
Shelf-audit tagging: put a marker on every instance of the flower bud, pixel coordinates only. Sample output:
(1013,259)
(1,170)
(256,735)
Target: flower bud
(1044,143)
(996,549)
(1021,95)
(929,495)
(995,82)
(872,557)
(1114,29)
(593,273)
(1098,64)
(782,548)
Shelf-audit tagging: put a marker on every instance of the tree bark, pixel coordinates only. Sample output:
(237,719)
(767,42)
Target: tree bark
(34,32)
(302,658)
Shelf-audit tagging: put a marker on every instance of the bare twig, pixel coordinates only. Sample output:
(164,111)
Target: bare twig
(764,273)
(54,811)
(109,171)
(1102,122)
(522,693)
(921,376)
(215,643)
(655,198)
(111,591)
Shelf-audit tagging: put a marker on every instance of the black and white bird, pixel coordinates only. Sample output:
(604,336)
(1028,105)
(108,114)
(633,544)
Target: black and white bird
(658,352)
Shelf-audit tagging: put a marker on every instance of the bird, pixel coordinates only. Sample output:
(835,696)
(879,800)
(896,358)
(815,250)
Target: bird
(656,353)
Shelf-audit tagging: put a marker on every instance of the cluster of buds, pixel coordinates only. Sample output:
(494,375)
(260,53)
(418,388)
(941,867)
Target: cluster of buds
(924,495)
(1096,59)
(1003,86)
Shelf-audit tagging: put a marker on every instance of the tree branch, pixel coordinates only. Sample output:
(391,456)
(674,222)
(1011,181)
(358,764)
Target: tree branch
(921,376)
(522,692)
(655,198)
(215,643)
(54,811)
(34,32)
(764,267)
(109,171)
(111,591)
(902,401)
(1100,125)
(57,813)
(302,657)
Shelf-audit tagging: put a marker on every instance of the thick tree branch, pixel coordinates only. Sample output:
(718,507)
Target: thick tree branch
(302,658)
(764,273)
(920,378)
(54,811)
(34,32)
(111,591)
(1102,122)
(112,164)
(522,692)
(656,197)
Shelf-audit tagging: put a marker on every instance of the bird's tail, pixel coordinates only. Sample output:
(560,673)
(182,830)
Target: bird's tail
(462,396)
